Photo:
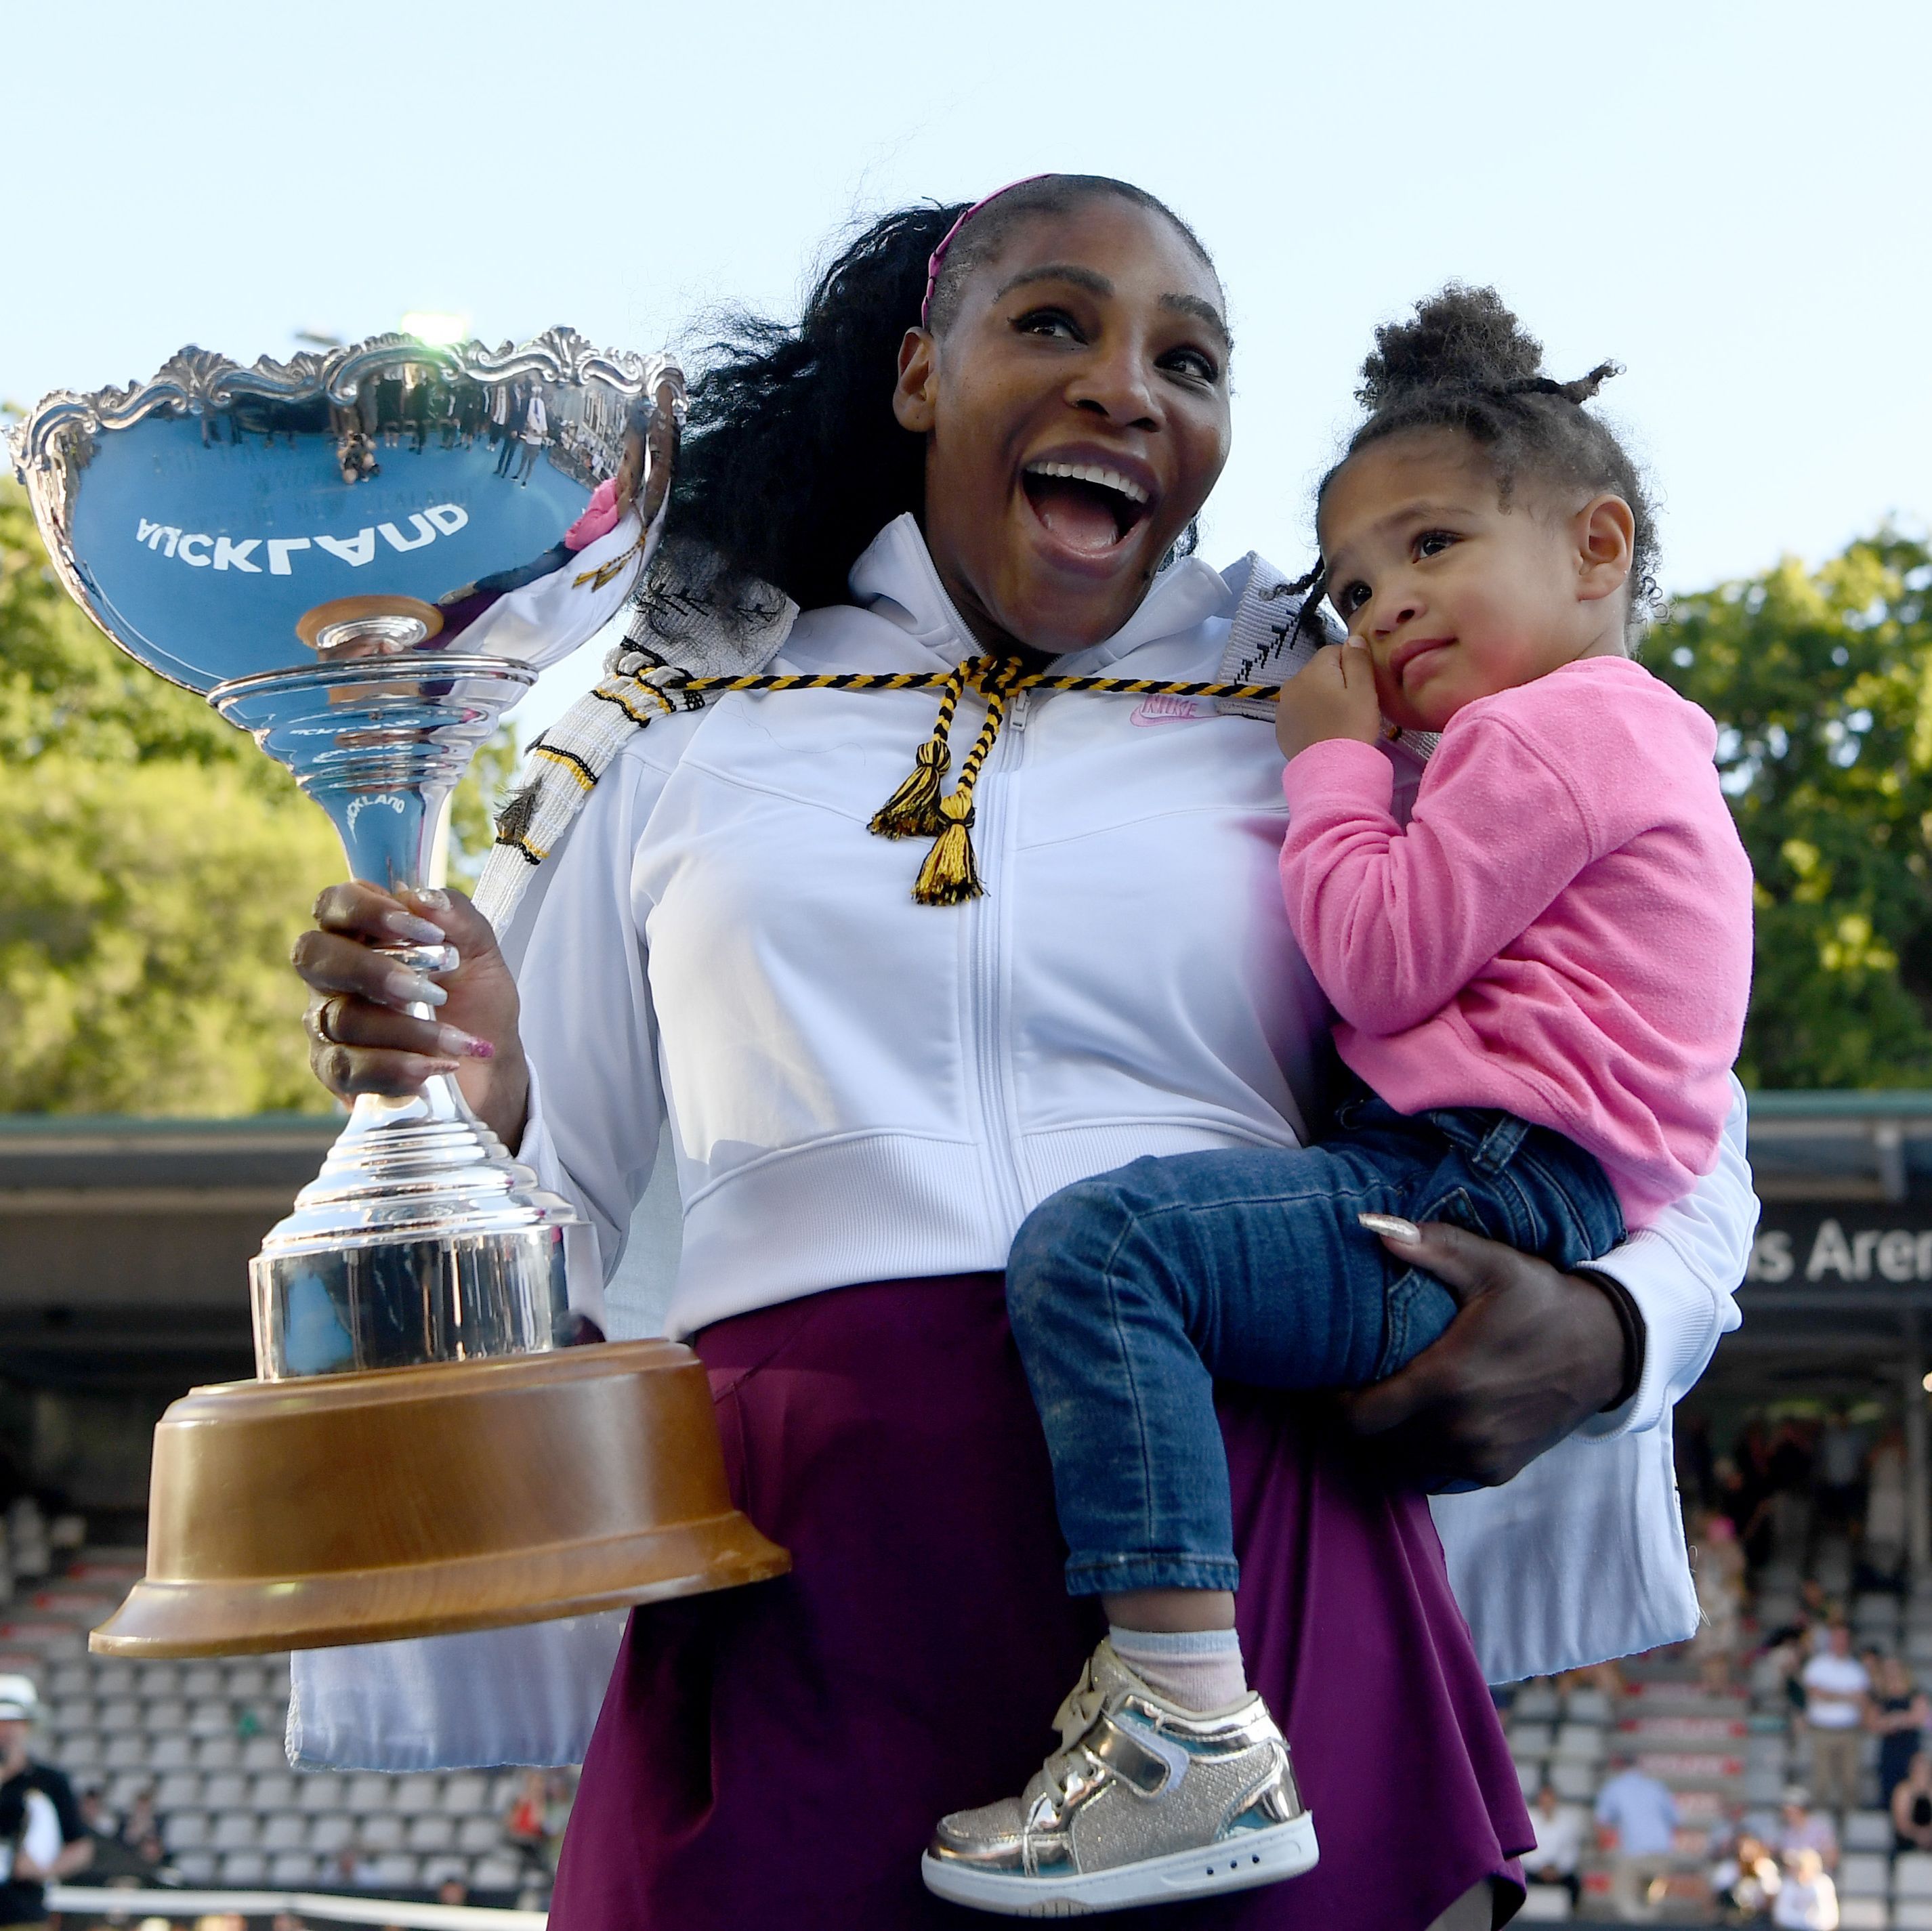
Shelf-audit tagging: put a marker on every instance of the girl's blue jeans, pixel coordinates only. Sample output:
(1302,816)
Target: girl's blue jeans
(1131,1293)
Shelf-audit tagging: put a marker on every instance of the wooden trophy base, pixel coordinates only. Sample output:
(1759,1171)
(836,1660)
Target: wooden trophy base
(417,1501)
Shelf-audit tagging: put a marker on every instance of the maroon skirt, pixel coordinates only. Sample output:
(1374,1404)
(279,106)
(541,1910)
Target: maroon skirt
(773,1758)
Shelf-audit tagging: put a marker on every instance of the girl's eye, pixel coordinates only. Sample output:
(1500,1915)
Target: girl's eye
(1048,321)
(1350,598)
(1432,542)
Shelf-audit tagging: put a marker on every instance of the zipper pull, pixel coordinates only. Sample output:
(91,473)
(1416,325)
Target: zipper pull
(1019,709)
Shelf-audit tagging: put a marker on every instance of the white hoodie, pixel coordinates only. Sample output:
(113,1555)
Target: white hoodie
(721,961)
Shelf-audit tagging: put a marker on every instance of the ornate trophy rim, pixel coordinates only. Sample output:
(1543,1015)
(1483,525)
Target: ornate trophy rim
(56,435)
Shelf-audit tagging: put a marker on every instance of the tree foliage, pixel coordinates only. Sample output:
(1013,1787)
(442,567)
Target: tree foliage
(157,869)
(1822,682)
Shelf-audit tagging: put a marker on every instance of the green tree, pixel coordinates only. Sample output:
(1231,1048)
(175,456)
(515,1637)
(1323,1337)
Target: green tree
(1822,682)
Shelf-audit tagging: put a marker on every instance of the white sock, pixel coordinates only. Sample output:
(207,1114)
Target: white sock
(1199,1669)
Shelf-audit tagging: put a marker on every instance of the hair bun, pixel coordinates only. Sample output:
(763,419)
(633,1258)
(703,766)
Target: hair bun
(1461,337)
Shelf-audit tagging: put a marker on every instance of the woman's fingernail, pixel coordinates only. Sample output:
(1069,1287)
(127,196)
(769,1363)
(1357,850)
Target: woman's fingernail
(406,988)
(465,1045)
(1392,1227)
(434,897)
(415,931)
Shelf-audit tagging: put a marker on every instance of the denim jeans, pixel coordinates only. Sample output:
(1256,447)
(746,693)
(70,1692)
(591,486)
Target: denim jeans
(1132,1292)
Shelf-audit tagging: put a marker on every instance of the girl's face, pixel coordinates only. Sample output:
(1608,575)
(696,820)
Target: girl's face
(1075,415)
(1456,595)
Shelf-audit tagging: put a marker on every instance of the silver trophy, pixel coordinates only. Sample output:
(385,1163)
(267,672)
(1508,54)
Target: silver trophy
(361,558)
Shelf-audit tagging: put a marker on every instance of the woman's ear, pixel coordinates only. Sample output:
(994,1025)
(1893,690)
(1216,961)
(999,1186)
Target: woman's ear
(1605,546)
(915,398)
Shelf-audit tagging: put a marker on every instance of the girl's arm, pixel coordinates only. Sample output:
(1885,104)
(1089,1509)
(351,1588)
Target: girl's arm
(1395,920)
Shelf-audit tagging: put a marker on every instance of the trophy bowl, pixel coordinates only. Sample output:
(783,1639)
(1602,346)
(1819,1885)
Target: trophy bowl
(362,558)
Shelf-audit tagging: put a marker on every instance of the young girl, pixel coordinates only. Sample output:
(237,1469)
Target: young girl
(1542,979)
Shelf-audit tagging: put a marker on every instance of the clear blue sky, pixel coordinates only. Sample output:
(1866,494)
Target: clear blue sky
(1727,198)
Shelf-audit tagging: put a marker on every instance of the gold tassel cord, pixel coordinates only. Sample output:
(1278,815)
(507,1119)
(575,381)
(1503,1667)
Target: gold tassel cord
(913,810)
(950,875)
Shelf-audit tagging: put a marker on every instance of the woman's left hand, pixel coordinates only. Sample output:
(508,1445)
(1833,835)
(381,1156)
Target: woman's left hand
(1532,1354)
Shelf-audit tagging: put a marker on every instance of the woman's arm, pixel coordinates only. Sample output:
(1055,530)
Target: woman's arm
(1534,1355)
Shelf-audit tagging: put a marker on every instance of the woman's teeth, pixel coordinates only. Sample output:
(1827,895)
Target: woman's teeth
(1090,472)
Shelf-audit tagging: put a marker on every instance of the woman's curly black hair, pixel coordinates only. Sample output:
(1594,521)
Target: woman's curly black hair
(792,459)
(1465,362)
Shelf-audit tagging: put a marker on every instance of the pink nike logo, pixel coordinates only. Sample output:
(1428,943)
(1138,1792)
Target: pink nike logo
(1160,710)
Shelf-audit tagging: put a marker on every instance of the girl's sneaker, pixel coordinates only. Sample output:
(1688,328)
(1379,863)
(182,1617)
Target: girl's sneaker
(1143,1802)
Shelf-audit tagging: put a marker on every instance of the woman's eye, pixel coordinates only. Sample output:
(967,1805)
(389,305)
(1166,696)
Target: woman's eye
(1193,364)
(1432,542)
(1048,321)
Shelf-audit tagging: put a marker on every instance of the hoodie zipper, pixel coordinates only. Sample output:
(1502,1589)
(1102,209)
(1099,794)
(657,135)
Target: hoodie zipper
(986,1003)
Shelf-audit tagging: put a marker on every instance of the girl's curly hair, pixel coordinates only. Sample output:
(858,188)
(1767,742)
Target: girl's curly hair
(1465,362)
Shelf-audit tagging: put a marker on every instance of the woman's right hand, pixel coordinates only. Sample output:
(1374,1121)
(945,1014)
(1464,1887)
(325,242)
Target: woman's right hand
(361,1038)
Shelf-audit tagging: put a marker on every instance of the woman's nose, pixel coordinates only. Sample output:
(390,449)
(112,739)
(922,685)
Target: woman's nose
(1119,387)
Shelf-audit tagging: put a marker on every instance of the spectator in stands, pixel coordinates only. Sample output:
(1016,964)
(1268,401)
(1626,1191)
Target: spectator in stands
(1840,1472)
(452,1890)
(1912,1805)
(28,1791)
(1897,1711)
(140,1832)
(1802,1828)
(1559,1844)
(1835,1687)
(1881,1546)
(1806,1900)
(1636,1819)
(526,1827)
(1745,1882)
(1720,1596)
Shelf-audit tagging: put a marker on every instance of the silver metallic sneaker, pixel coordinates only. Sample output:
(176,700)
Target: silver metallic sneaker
(1143,1802)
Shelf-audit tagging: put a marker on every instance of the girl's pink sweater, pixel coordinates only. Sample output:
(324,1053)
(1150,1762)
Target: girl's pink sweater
(1563,928)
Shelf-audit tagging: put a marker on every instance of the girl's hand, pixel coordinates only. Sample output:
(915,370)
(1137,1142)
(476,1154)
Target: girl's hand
(361,1040)
(1532,1355)
(1332,696)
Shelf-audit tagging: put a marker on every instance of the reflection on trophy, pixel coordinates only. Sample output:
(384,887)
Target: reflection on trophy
(361,558)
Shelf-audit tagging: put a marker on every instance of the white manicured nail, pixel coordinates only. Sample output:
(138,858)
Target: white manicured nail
(1392,1227)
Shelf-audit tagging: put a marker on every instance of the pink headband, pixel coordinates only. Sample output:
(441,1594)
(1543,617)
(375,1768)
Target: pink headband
(937,259)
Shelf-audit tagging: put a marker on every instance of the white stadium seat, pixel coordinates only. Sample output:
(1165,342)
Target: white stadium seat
(1867,1830)
(496,1873)
(174,1753)
(1911,1875)
(244,1869)
(264,1753)
(477,1837)
(440,1870)
(218,1753)
(157,1679)
(168,1713)
(328,1833)
(179,1790)
(396,1870)
(1545,1904)
(1864,1913)
(211,1719)
(369,1794)
(432,1834)
(292,1870)
(465,1797)
(1588,1706)
(416,1796)
(274,1790)
(202,1679)
(234,1831)
(196,1867)
(224,1791)
(1864,1874)
(128,1752)
(1910,1916)
(184,1831)
(323,1790)
(1530,1740)
(382,1832)
(117,1715)
(285,1830)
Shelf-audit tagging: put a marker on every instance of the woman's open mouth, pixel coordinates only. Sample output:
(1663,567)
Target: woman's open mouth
(1090,507)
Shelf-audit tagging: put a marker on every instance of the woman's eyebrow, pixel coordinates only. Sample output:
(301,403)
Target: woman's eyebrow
(1201,311)
(1090,279)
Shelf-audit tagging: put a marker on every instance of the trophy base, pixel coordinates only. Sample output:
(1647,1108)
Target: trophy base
(420,1501)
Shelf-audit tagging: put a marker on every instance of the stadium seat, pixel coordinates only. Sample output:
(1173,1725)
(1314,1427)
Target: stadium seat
(369,1794)
(286,1830)
(322,1790)
(184,1831)
(72,1713)
(1581,1742)
(234,1831)
(244,1869)
(395,1870)
(1867,1830)
(174,1753)
(506,1790)
(274,1790)
(166,1713)
(1864,1874)
(219,1752)
(465,1797)
(384,1832)
(71,1679)
(124,1786)
(1864,1913)
(416,1796)
(196,1867)
(210,1718)
(118,1715)
(129,1751)
(328,1833)
(1575,1781)
(431,1833)
(440,1870)
(1529,1775)
(179,1790)
(496,1873)
(478,1836)
(1588,1706)
(113,1678)
(1535,1702)
(153,1679)
(1912,1916)
(264,1753)
(292,1870)
(1911,1875)
(202,1679)
(83,1752)
(224,1791)
(1530,1740)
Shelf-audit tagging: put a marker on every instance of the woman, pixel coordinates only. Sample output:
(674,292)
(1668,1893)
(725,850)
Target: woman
(1897,1710)
(1016,433)
(1911,1805)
